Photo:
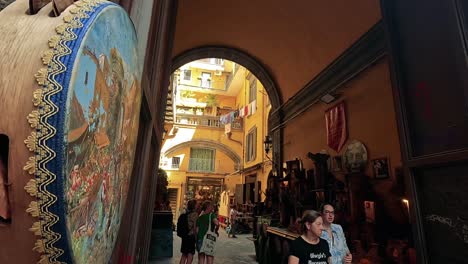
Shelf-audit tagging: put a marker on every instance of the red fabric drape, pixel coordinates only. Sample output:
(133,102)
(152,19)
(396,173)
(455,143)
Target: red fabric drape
(335,119)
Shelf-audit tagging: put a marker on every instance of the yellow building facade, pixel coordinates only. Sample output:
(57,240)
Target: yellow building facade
(213,147)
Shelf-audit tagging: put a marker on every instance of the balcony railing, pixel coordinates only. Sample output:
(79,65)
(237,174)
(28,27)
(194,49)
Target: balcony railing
(215,61)
(205,121)
(208,64)
(201,165)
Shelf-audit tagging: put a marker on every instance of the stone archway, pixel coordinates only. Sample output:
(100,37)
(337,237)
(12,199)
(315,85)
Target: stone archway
(256,68)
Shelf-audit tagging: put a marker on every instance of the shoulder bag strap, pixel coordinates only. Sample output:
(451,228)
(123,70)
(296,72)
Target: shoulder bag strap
(209,223)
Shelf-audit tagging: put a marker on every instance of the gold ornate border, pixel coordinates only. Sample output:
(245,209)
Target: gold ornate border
(43,131)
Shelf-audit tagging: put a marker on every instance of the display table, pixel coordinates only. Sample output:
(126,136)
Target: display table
(272,243)
(280,241)
(281,232)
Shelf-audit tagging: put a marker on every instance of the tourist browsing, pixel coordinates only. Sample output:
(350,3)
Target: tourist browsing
(309,248)
(335,237)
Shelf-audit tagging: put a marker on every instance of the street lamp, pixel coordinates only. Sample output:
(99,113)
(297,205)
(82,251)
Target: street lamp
(267,144)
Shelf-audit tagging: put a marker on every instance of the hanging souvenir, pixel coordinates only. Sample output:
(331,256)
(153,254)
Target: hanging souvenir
(335,120)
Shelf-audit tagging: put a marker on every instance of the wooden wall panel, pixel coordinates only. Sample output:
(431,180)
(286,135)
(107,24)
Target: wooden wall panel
(428,45)
(134,239)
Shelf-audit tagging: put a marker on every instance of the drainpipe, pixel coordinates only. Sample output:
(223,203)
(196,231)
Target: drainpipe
(229,137)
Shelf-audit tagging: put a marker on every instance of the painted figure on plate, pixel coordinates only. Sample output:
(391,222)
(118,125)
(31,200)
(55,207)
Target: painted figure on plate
(102,125)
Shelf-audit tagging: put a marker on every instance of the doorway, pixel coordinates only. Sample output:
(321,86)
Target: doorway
(202,189)
(252,189)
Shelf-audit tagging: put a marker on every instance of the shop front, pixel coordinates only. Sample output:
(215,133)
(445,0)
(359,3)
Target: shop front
(204,188)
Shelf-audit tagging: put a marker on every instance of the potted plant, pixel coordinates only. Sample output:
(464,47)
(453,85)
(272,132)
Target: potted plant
(211,100)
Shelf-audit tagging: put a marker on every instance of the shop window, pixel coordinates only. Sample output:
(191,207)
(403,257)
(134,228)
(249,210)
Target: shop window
(5,210)
(175,162)
(251,145)
(202,159)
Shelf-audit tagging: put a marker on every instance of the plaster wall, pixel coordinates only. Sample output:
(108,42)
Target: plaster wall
(371,119)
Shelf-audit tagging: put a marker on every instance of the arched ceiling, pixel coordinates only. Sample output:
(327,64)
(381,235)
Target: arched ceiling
(295,40)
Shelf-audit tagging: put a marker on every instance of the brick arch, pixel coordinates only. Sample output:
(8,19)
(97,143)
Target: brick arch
(206,143)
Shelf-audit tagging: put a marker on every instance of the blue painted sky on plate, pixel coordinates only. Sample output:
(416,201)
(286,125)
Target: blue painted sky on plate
(100,40)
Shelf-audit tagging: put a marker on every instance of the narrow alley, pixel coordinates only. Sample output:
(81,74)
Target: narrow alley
(238,250)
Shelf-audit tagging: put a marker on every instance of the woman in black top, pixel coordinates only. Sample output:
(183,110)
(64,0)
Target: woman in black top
(310,248)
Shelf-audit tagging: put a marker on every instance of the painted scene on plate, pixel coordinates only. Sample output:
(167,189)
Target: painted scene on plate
(101,130)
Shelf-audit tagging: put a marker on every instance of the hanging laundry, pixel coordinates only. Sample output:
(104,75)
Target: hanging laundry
(223,119)
(246,110)
(241,112)
(253,107)
(227,128)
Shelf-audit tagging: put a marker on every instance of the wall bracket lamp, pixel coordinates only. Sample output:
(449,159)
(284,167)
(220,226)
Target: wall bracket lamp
(267,144)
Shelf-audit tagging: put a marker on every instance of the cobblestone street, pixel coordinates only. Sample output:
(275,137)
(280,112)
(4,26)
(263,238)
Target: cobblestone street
(240,250)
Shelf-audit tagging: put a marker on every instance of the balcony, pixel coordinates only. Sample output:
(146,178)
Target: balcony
(211,64)
(202,86)
(205,121)
(201,165)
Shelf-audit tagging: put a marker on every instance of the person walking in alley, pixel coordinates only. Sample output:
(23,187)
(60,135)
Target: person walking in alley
(335,237)
(188,241)
(207,223)
(233,221)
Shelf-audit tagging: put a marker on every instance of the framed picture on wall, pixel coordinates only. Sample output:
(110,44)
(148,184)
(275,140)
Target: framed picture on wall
(380,168)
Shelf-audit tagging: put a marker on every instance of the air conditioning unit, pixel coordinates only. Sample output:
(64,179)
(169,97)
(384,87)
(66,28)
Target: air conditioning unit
(218,73)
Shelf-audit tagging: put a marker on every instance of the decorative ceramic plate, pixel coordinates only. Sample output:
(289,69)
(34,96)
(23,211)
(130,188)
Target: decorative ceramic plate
(87,126)
(355,156)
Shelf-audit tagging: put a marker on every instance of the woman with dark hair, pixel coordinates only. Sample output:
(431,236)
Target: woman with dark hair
(188,242)
(309,247)
(335,237)
(206,220)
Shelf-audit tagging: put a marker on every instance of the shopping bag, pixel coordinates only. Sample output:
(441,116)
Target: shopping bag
(209,241)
